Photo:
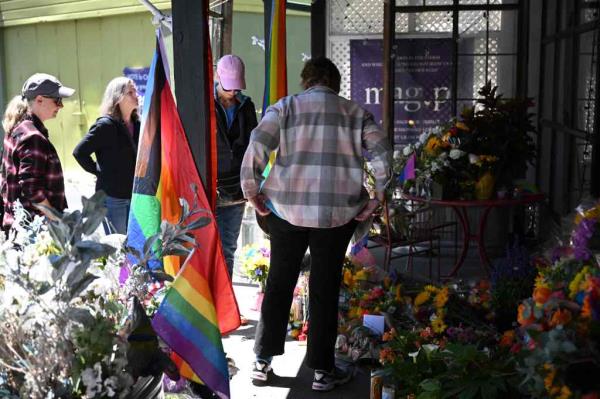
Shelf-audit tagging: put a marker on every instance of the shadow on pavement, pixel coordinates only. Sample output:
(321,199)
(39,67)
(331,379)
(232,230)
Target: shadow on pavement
(277,381)
(357,388)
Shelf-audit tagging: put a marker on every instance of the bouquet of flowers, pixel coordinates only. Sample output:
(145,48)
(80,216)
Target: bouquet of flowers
(442,345)
(488,146)
(255,263)
(558,338)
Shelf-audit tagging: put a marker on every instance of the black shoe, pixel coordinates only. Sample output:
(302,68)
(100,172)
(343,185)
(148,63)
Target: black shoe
(202,391)
(326,381)
(261,370)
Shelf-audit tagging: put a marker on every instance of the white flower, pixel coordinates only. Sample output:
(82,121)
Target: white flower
(456,153)
(407,150)
(107,281)
(111,385)
(114,240)
(435,166)
(14,295)
(473,158)
(92,380)
(423,137)
(41,270)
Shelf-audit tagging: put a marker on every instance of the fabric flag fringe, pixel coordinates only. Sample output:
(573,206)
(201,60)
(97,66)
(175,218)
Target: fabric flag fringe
(200,304)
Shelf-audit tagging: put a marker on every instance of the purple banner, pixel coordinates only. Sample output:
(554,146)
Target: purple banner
(139,77)
(423,83)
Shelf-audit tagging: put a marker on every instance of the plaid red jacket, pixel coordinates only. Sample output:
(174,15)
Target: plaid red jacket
(31,170)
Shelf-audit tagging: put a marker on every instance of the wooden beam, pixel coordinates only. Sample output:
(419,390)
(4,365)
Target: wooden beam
(190,52)
(318,28)
(389,36)
(227,33)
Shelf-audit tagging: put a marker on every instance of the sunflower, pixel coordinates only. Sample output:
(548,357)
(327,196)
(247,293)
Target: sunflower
(438,325)
(422,298)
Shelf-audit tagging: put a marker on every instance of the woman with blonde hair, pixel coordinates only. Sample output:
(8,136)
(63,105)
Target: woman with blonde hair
(113,139)
(31,170)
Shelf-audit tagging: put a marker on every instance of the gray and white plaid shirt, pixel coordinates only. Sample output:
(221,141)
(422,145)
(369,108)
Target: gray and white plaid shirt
(317,179)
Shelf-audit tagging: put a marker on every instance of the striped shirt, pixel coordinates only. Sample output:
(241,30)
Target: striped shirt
(31,170)
(317,179)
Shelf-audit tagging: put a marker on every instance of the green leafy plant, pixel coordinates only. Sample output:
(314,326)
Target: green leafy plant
(66,329)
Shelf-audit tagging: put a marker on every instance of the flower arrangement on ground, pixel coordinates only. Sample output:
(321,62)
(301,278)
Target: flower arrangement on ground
(443,345)
(489,146)
(558,339)
(255,260)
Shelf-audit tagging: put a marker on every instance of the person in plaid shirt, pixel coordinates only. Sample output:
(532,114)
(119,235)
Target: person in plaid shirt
(313,197)
(31,169)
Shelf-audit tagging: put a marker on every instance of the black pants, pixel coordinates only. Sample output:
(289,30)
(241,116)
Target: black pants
(327,251)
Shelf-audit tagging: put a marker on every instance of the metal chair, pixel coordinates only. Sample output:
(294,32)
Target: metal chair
(407,229)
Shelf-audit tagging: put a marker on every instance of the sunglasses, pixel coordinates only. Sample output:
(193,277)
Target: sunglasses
(57,100)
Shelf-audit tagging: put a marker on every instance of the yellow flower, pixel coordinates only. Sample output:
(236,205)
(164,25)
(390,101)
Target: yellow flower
(430,288)
(441,298)
(398,293)
(438,325)
(362,274)
(549,379)
(565,392)
(387,282)
(540,281)
(462,126)
(575,284)
(348,279)
(433,146)
(422,298)
(353,312)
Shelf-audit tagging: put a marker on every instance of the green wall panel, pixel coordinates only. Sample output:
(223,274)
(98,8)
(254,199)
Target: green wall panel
(247,25)
(87,53)
(20,12)
(83,54)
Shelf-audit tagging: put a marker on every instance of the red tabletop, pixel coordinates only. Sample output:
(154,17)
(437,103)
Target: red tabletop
(523,199)
(460,209)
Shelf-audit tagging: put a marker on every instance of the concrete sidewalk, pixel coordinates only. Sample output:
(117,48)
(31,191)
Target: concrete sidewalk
(293,379)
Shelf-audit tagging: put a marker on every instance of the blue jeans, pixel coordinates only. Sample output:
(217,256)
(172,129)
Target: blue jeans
(117,215)
(229,221)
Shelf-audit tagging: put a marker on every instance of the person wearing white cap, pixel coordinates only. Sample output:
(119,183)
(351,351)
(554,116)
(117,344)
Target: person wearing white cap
(236,118)
(31,170)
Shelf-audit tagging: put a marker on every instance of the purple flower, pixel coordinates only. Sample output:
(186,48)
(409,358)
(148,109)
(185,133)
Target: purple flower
(580,237)
(123,274)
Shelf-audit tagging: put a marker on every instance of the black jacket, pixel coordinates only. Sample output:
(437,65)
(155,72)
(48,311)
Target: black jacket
(231,146)
(115,151)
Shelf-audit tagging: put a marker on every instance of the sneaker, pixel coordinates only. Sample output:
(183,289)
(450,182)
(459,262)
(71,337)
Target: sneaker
(326,381)
(261,371)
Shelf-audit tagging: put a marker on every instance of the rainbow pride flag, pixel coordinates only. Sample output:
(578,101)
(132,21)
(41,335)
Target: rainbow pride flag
(200,304)
(276,64)
(408,173)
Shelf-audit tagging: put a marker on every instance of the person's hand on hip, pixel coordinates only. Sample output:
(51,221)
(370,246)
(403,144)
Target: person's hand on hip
(368,210)
(258,202)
